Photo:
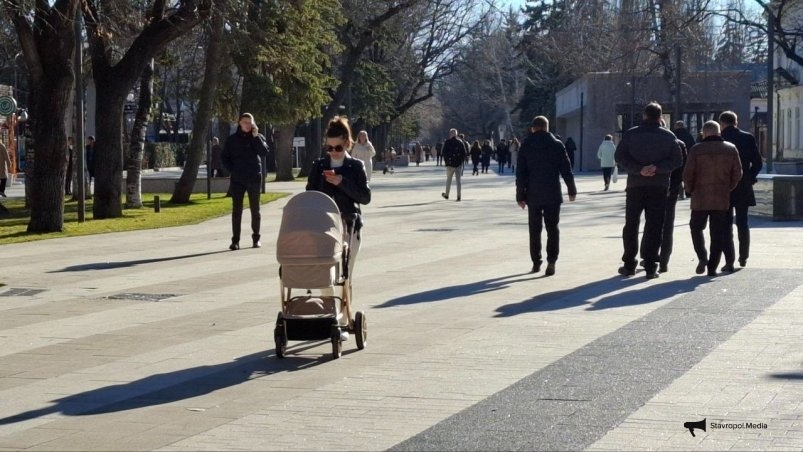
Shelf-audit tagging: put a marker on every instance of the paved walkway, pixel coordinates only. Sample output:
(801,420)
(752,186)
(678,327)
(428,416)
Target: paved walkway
(162,339)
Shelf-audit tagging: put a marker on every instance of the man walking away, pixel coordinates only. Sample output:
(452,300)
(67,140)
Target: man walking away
(668,230)
(454,154)
(541,163)
(605,153)
(438,154)
(648,153)
(712,171)
(683,134)
(742,196)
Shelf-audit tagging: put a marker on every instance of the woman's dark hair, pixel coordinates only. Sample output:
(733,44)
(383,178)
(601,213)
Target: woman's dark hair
(339,128)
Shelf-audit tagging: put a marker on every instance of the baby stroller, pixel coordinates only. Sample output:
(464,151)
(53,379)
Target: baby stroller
(313,255)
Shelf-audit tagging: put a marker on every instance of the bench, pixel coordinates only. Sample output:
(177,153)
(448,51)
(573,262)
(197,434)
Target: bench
(779,196)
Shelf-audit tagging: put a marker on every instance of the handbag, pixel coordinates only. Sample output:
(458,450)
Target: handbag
(615,176)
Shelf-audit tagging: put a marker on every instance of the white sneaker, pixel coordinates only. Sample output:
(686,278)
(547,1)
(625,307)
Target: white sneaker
(344,336)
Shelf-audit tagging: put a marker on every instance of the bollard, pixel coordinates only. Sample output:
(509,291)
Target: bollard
(157,205)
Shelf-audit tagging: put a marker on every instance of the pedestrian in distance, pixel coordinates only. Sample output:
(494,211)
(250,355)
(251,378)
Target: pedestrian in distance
(89,149)
(668,228)
(683,134)
(216,164)
(742,197)
(485,158)
(242,157)
(476,154)
(605,153)
(419,153)
(571,148)
(343,178)
(713,169)
(438,156)
(542,163)
(467,148)
(68,177)
(364,151)
(5,168)
(649,154)
(513,154)
(501,155)
(454,154)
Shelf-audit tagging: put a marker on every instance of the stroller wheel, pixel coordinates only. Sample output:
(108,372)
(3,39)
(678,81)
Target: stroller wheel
(280,337)
(361,329)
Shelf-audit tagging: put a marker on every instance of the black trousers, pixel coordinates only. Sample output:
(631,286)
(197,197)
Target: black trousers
(716,231)
(668,229)
(651,201)
(743,229)
(548,216)
(606,175)
(238,191)
(2,185)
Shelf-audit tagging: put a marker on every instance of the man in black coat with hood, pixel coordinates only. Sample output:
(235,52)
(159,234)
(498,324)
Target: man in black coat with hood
(542,162)
(742,196)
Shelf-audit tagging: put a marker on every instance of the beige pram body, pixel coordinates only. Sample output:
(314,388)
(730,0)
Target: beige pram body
(312,249)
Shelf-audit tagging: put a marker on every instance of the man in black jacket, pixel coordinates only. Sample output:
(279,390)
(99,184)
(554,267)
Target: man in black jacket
(242,157)
(742,196)
(675,190)
(542,162)
(649,154)
(454,154)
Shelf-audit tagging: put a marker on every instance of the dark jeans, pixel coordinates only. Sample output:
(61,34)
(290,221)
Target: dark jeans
(2,185)
(651,201)
(237,194)
(716,231)
(669,226)
(606,175)
(743,229)
(550,216)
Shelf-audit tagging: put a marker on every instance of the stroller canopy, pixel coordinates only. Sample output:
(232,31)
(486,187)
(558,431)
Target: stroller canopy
(311,231)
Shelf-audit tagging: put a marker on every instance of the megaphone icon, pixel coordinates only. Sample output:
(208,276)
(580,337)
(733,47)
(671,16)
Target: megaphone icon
(693,425)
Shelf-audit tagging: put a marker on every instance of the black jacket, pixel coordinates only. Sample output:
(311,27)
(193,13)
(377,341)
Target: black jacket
(676,177)
(454,152)
(684,135)
(542,162)
(743,195)
(242,157)
(352,192)
(644,145)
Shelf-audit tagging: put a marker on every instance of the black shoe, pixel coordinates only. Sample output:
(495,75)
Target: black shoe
(701,267)
(642,264)
(606,188)
(445,196)
(712,273)
(742,262)
(234,246)
(727,268)
(257,244)
(3,194)
(651,274)
(624,271)
(458,199)
(536,268)
(550,269)
(663,268)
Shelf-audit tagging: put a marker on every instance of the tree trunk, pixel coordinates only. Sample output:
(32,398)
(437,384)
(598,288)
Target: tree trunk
(108,160)
(200,127)
(136,149)
(284,152)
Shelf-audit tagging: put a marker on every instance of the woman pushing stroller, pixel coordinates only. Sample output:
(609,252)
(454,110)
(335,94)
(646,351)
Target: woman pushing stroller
(343,178)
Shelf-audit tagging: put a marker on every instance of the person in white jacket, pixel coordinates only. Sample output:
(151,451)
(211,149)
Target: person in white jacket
(606,161)
(364,150)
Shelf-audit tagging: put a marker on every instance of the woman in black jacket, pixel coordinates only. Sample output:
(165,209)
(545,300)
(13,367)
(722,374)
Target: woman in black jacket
(476,153)
(343,178)
(242,157)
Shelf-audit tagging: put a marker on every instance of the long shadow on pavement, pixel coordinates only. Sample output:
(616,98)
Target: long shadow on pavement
(125,264)
(463,290)
(168,387)
(588,294)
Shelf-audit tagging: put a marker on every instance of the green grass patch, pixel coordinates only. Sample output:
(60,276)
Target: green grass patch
(13,228)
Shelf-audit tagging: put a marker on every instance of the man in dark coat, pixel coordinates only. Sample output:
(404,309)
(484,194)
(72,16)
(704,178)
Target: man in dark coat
(571,147)
(675,190)
(501,155)
(742,196)
(242,157)
(683,134)
(542,162)
(649,153)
